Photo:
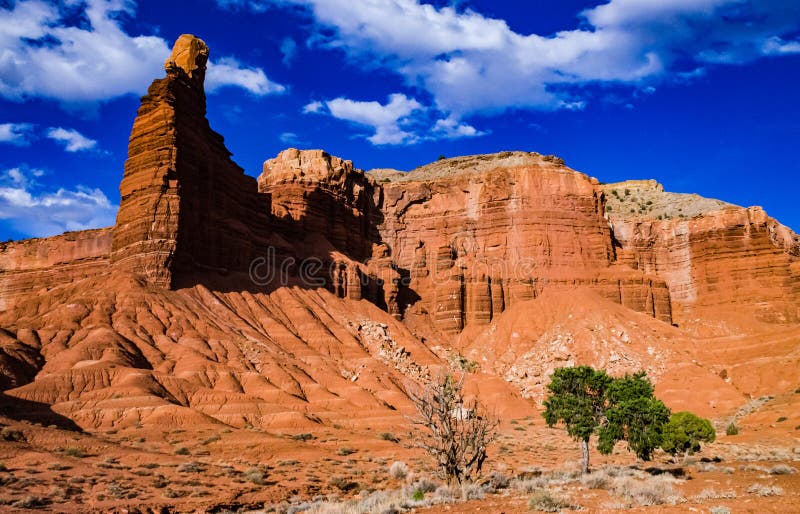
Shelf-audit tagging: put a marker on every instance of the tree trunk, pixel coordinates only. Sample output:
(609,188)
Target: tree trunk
(585,452)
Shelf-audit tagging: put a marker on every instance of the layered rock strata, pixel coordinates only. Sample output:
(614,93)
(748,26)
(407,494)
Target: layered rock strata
(711,254)
(186,206)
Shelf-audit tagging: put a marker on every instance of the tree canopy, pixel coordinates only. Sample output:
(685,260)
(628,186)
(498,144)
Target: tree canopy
(685,431)
(633,415)
(577,397)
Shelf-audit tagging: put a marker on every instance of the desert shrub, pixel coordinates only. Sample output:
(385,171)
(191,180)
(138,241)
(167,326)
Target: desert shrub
(254,475)
(498,480)
(303,437)
(764,490)
(418,495)
(444,494)
(182,451)
(343,484)
(472,491)
(753,468)
(712,494)
(398,470)
(546,502)
(708,468)
(455,433)
(30,502)
(732,429)
(388,436)
(462,363)
(684,432)
(425,485)
(116,491)
(74,451)
(656,490)
(345,450)
(11,435)
(207,441)
(781,419)
(781,469)
(596,480)
(190,467)
(159,482)
(720,510)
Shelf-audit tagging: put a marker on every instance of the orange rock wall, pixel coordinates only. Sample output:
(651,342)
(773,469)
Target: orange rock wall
(473,244)
(186,206)
(734,256)
(27,267)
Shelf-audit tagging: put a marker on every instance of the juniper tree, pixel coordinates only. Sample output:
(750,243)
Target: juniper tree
(577,397)
(634,415)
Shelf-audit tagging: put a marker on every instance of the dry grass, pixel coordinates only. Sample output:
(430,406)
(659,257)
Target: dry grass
(398,470)
(546,502)
(654,490)
(713,494)
(765,490)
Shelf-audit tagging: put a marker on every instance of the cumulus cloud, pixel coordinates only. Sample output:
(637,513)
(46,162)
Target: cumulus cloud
(386,120)
(313,107)
(71,139)
(289,51)
(47,53)
(452,128)
(400,121)
(44,57)
(36,213)
(18,134)
(471,63)
(228,72)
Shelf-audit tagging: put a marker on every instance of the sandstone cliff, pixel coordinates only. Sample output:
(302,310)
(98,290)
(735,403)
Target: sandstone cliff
(186,206)
(719,260)
(377,280)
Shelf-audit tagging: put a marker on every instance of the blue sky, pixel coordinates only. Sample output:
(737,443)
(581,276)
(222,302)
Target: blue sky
(699,94)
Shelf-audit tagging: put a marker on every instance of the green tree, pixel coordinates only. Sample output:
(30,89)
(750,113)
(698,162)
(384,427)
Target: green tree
(684,432)
(577,397)
(634,415)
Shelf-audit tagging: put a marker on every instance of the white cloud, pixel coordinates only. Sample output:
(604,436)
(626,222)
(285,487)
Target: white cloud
(451,128)
(400,121)
(39,214)
(42,56)
(19,134)
(289,138)
(777,46)
(471,63)
(72,140)
(313,107)
(289,51)
(386,120)
(230,72)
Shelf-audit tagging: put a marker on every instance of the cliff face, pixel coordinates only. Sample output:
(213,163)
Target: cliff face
(713,256)
(488,254)
(36,265)
(475,235)
(186,206)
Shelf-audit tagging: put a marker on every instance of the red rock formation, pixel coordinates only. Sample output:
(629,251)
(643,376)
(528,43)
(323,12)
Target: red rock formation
(330,211)
(149,321)
(37,265)
(476,235)
(185,204)
(719,260)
